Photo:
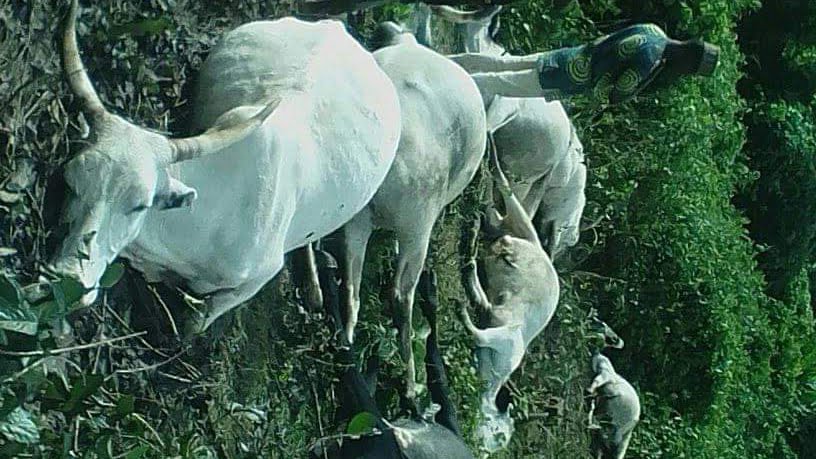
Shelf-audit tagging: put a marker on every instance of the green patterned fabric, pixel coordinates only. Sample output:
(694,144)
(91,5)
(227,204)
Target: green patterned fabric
(615,66)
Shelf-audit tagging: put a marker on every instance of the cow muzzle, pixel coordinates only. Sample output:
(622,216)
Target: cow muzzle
(495,431)
(70,269)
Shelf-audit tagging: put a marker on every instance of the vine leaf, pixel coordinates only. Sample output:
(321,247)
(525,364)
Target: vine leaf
(19,427)
(362,423)
(15,315)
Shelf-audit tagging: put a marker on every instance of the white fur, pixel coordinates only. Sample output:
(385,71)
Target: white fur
(538,149)
(520,301)
(308,169)
(618,404)
(443,139)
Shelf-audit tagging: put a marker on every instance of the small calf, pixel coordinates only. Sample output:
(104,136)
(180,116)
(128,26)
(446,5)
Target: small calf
(616,407)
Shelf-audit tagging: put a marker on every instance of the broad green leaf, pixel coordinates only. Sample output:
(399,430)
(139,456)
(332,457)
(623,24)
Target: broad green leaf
(82,389)
(21,321)
(19,427)
(55,394)
(15,315)
(8,403)
(124,406)
(137,452)
(104,447)
(132,427)
(362,423)
(67,292)
(112,275)
(9,292)
(12,449)
(141,28)
(49,310)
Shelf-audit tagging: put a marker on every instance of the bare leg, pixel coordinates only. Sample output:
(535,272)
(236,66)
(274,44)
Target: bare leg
(522,83)
(437,378)
(591,416)
(480,63)
(413,250)
(355,242)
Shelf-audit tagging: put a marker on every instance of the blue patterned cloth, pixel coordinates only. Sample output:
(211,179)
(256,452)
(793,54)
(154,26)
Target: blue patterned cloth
(617,66)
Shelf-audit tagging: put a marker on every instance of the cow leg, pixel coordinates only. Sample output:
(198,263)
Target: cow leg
(413,249)
(304,268)
(355,236)
(516,221)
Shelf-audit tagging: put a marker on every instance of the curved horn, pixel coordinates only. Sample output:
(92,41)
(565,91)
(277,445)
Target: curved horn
(74,70)
(482,338)
(464,17)
(498,173)
(217,139)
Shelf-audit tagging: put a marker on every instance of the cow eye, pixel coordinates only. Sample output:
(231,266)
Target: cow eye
(140,208)
(509,260)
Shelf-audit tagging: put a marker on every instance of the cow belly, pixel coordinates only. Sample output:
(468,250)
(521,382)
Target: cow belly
(443,137)
(315,162)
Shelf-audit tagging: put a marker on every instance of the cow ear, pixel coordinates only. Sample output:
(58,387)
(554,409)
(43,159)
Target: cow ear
(174,196)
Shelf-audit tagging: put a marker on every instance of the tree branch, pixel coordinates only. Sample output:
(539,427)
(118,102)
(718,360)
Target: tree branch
(70,349)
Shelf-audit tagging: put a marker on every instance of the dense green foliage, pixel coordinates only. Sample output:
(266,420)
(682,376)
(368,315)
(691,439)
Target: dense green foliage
(782,136)
(719,329)
(725,369)
(779,88)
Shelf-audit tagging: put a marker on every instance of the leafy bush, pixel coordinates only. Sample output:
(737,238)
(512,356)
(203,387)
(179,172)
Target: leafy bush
(723,369)
(782,204)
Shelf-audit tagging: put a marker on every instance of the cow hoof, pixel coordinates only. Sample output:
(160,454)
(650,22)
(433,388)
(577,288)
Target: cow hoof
(495,431)
(313,299)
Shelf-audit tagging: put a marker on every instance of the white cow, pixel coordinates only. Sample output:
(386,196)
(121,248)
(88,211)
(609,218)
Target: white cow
(442,143)
(617,407)
(258,183)
(520,300)
(539,149)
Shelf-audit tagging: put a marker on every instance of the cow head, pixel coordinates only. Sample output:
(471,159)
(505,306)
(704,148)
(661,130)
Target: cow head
(512,264)
(116,180)
(602,332)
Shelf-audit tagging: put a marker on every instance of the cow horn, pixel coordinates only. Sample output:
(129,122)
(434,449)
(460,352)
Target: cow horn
(464,17)
(217,139)
(74,70)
